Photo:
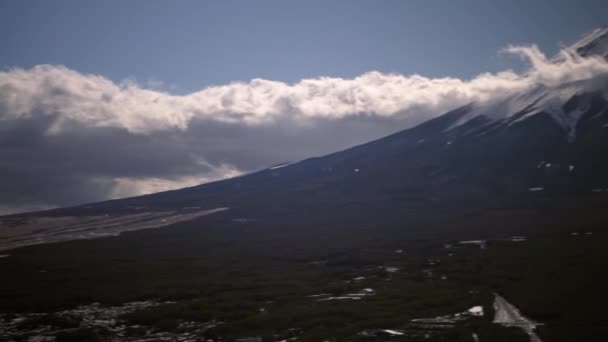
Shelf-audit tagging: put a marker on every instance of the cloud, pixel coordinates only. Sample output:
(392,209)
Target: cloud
(565,68)
(95,101)
(131,186)
(68,137)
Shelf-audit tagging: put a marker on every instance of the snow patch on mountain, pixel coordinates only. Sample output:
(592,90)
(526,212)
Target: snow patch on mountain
(546,88)
(593,43)
(553,104)
(280,166)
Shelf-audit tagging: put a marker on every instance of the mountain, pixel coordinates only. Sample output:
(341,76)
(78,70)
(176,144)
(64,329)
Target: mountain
(487,200)
(594,43)
(547,145)
(552,137)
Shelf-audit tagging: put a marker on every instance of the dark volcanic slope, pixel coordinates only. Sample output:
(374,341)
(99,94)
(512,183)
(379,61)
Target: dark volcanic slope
(440,167)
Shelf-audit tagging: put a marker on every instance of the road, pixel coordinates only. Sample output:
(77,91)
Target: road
(508,315)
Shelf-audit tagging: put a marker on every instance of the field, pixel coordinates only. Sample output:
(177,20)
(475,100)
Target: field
(265,279)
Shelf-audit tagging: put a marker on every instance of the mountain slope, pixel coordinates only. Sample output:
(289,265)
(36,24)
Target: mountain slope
(593,43)
(439,160)
(546,144)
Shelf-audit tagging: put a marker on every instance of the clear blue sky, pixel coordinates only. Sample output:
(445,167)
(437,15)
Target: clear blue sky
(192,44)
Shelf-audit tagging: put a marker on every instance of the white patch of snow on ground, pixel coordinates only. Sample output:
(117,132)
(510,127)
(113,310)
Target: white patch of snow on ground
(356,170)
(391,269)
(5,255)
(380,332)
(352,296)
(476,310)
(571,168)
(574,234)
(448,321)
(536,189)
(399,251)
(392,332)
(362,293)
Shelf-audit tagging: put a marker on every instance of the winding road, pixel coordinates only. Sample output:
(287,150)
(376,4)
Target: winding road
(508,315)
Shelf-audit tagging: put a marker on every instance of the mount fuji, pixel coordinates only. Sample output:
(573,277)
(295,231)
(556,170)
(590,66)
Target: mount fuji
(543,146)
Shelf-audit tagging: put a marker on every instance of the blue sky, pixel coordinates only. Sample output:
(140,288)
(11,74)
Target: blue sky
(193,44)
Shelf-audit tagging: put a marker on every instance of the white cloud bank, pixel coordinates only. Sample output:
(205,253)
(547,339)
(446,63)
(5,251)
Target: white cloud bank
(95,101)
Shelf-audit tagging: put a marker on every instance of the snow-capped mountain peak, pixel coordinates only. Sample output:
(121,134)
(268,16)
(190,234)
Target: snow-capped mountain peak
(593,43)
(551,85)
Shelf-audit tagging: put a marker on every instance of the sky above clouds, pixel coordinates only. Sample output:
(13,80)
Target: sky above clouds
(113,99)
